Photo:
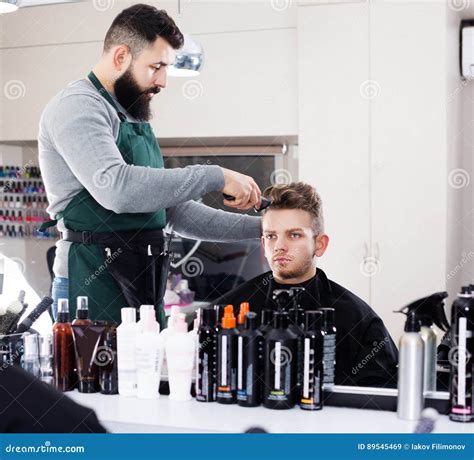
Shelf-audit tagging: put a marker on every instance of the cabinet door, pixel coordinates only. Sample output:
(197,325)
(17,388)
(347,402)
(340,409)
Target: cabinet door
(30,77)
(334,133)
(247,87)
(409,148)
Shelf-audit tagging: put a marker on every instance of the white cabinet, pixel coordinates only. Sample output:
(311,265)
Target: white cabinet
(410,151)
(30,77)
(373,140)
(333,133)
(247,87)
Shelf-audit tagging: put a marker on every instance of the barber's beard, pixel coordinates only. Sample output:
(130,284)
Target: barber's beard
(295,271)
(132,98)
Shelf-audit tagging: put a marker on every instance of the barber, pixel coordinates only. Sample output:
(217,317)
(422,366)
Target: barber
(107,189)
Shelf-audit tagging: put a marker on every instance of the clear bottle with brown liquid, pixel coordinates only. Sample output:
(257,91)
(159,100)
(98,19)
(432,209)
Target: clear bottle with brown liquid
(63,349)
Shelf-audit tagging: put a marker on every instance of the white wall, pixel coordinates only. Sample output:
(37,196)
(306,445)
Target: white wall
(466,264)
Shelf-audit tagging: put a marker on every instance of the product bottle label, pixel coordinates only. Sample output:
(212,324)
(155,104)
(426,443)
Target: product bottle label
(329,357)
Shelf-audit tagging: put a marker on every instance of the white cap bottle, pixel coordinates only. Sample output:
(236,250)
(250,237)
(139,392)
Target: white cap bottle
(180,355)
(149,356)
(143,311)
(126,343)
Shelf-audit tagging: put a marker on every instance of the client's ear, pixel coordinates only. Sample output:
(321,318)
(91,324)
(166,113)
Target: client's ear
(322,242)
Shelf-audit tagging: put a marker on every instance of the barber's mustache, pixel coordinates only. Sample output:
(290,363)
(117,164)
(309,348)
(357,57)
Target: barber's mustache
(154,90)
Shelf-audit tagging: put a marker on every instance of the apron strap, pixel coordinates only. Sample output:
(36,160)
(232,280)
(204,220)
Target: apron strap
(105,94)
(45,225)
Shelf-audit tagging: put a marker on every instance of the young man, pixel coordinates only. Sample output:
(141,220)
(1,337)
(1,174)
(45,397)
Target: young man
(293,238)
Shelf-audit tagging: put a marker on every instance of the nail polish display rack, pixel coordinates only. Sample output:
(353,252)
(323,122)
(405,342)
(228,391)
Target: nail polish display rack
(23,204)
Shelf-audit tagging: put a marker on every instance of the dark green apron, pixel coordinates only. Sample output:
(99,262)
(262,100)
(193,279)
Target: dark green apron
(129,266)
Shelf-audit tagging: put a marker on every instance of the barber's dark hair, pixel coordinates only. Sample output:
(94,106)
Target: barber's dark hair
(297,195)
(139,26)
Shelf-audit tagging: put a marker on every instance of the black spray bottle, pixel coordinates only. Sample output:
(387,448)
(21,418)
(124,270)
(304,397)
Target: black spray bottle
(461,358)
(329,350)
(206,383)
(311,396)
(280,363)
(249,363)
(227,358)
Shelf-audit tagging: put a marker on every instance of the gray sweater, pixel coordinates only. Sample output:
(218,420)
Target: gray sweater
(76,145)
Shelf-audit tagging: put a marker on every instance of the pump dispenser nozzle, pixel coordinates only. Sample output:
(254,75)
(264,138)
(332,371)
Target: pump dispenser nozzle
(428,310)
(244,309)
(228,321)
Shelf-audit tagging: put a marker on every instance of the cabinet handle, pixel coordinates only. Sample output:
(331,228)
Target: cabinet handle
(366,247)
(377,251)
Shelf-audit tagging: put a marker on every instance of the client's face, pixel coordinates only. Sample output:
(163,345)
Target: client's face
(290,244)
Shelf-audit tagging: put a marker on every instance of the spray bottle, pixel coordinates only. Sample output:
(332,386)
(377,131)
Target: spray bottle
(429,310)
(227,358)
(461,358)
(410,369)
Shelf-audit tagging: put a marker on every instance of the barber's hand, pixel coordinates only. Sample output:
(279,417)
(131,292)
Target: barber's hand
(246,192)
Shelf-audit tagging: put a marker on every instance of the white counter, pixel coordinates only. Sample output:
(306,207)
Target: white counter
(131,415)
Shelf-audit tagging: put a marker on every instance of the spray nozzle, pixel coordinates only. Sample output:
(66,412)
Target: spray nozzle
(428,310)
